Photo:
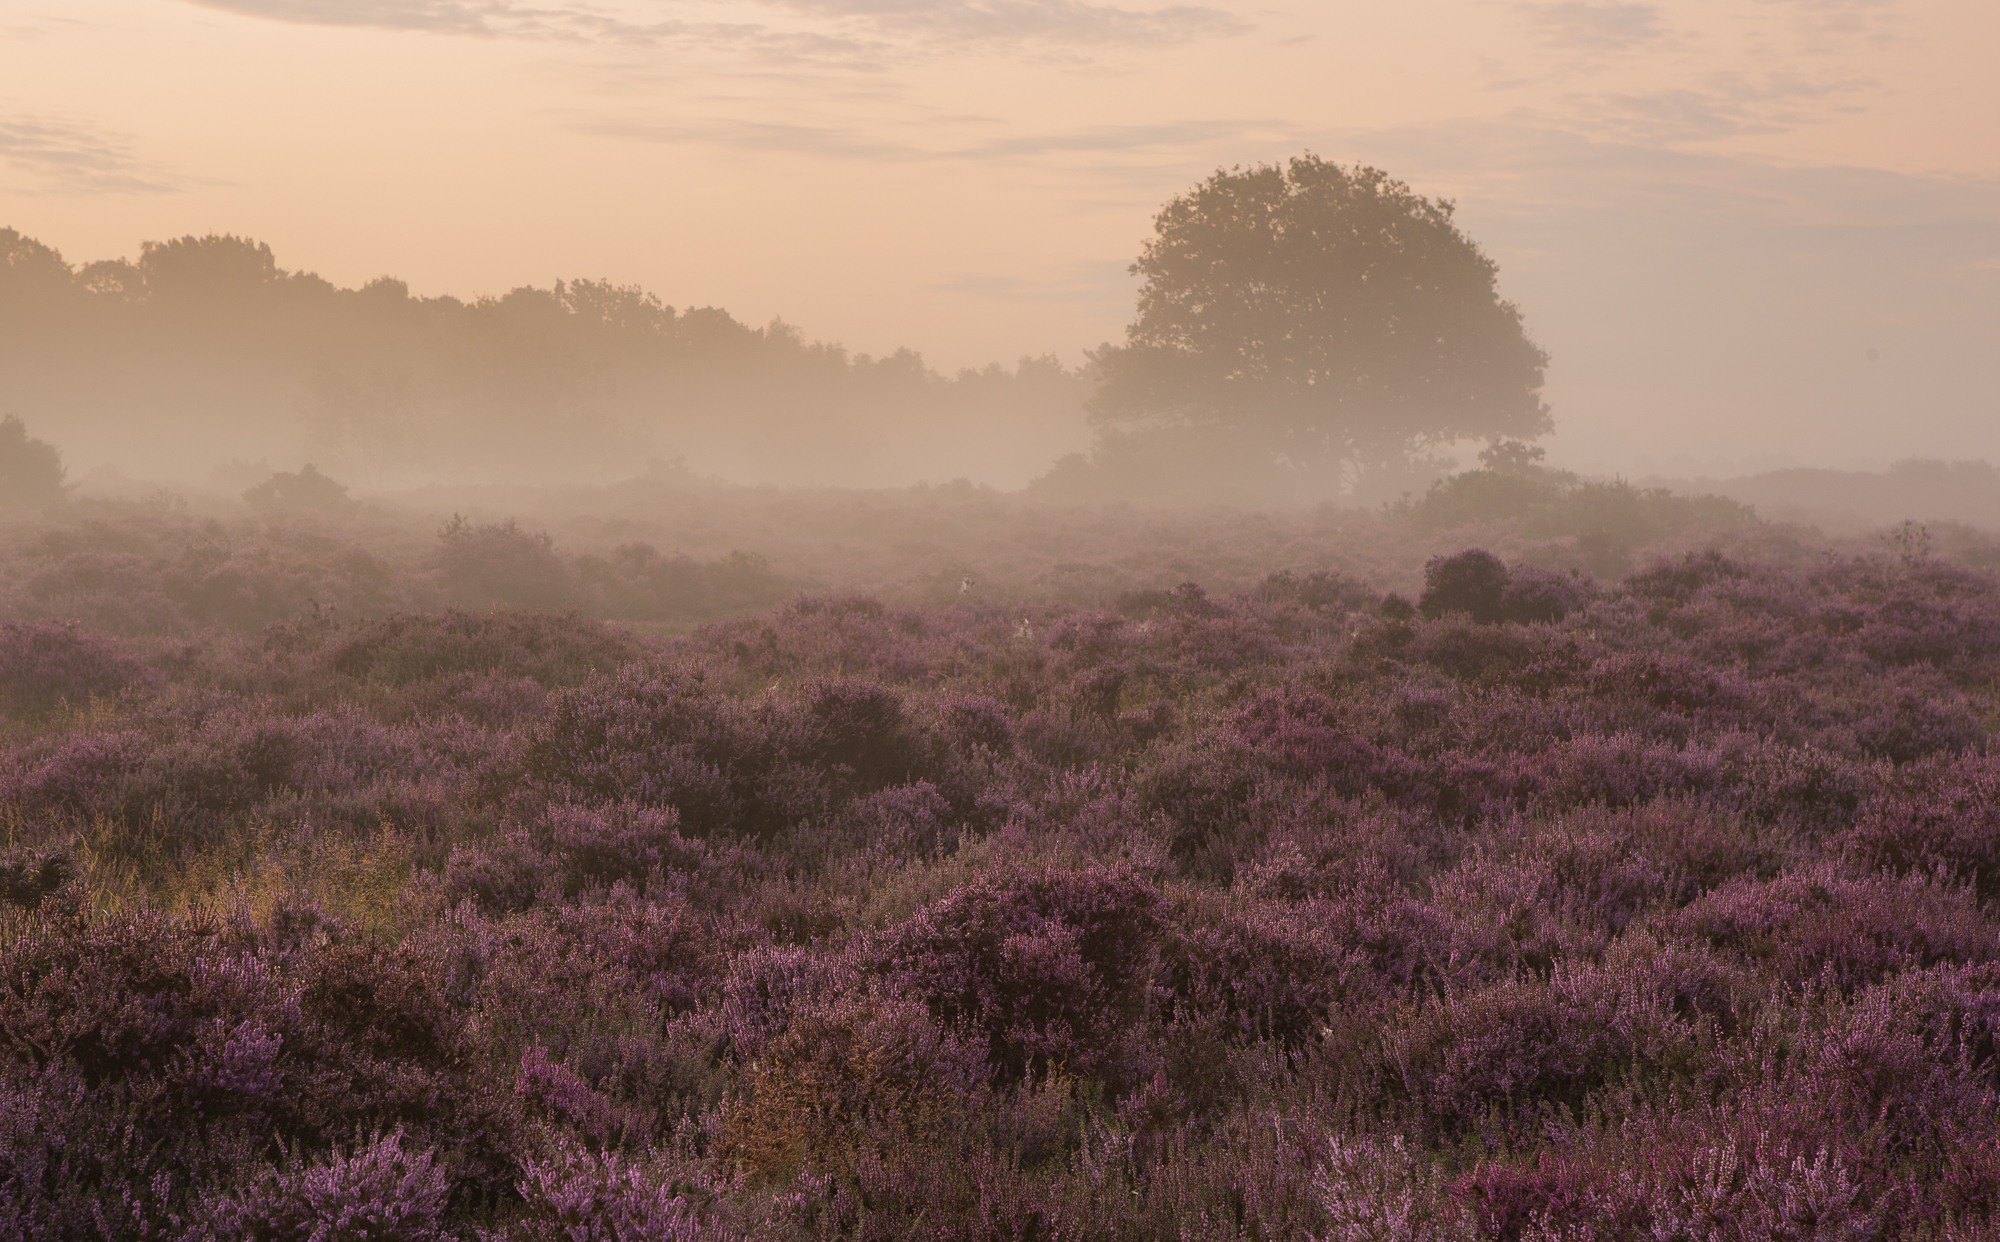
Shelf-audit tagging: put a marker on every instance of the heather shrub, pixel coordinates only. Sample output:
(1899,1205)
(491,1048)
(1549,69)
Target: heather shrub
(570,849)
(974,724)
(1616,863)
(1942,814)
(1929,622)
(1375,1190)
(380,1191)
(1415,945)
(1509,915)
(1621,770)
(556,1092)
(1668,585)
(1266,971)
(1825,927)
(665,957)
(307,491)
(1672,684)
(827,635)
(1217,638)
(657,734)
(554,651)
(572,1195)
(848,1075)
(156,1022)
(1509,1049)
(484,565)
(1332,847)
(117,591)
(899,823)
(1079,724)
(1050,968)
(1657,910)
(1534,595)
(1913,1054)
(382,1000)
(1592,878)
(235,761)
(44,665)
(1203,790)
(635,582)
(492,702)
(1298,732)
(1473,582)
(855,732)
(1321,591)
(109,1000)
(1472,651)
(599,847)
(1914,714)
(1812,790)
(766,984)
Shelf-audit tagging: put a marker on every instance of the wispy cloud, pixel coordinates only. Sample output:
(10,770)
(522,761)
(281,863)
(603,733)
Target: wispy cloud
(948,138)
(64,156)
(452,16)
(500,19)
(1630,71)
(1547,176)
(839,29)
(1723,105)
(1068,22)
(830,141)
(1594,27)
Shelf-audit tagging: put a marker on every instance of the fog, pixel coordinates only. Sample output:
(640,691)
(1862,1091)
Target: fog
(432,246)
(203,358)
(203,365)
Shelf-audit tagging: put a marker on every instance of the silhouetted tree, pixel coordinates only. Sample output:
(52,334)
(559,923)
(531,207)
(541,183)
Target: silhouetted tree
(308,491)
(31,471)
(211,335)
(1331,317)
(206,269)
(31,274)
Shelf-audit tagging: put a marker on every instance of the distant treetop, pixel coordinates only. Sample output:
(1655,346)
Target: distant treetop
(1331,316)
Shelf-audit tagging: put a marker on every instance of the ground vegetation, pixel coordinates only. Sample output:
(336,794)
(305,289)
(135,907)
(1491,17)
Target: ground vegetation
(355,887)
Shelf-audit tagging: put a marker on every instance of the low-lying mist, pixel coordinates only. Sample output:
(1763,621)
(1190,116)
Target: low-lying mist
(205,375)
(204,351)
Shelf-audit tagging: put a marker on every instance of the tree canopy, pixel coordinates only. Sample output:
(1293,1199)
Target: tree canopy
(1331,317)
(155,362)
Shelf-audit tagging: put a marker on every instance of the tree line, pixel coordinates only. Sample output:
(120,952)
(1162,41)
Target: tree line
(1305,332)
(204,348)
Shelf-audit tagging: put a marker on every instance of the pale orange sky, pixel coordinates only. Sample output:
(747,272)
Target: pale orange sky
(1709,212)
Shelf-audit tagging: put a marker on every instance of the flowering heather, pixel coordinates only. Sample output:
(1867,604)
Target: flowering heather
(1500,902)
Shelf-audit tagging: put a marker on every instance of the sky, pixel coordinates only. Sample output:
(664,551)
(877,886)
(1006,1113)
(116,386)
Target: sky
(1750,234)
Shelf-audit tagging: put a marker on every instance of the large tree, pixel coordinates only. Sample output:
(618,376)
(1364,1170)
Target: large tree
(1328,316)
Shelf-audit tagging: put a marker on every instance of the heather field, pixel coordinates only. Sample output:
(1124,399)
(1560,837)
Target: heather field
(740,865)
